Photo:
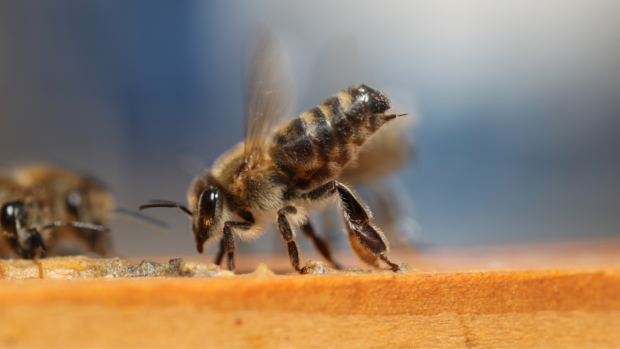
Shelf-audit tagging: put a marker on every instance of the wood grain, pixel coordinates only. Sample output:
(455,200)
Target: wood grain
(535,307)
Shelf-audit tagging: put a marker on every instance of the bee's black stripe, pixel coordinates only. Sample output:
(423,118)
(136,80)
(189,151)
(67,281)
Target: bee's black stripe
(300,150)
(318,117)
(296,129)
(335,108)
(321,135)
(295,144)
(377,101)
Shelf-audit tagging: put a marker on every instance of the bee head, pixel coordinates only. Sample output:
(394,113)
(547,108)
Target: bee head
(24,240)
(207,215)
(206,206)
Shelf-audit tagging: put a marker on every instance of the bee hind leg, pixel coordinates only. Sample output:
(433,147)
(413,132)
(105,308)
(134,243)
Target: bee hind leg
(360,251)
(357,221)
(287,234)
(320,244)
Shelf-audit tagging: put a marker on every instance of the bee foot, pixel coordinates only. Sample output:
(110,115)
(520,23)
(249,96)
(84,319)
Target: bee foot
(395,268)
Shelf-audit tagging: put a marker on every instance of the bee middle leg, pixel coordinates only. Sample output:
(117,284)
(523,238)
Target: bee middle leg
(320,244)
(357,221)
(288,236)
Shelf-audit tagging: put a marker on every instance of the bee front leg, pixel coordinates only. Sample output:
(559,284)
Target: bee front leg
(220,253)
(289,236)
(229,241)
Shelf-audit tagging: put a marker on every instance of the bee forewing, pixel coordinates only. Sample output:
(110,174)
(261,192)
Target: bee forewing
(269,92)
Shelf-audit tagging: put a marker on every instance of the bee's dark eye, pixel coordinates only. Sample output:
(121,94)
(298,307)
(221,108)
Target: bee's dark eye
(208,203)
(8,215)
(74,200)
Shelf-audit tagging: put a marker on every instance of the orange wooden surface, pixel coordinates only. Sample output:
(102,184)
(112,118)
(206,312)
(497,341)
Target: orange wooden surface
(575,302)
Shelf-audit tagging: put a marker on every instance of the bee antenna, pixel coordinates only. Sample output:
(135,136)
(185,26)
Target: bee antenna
(141,220)
(165,203)
(81,225)
(40,240)
(399,115)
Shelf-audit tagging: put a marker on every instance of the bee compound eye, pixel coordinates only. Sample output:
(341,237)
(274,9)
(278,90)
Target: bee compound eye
(208,203)
(8,214)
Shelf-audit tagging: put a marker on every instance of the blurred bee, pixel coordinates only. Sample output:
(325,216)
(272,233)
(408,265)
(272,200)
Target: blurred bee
(14,238)
(282,169)
(27,222)
(71,197)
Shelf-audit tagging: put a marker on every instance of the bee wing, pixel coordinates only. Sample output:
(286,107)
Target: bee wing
(269,93)
(390,149)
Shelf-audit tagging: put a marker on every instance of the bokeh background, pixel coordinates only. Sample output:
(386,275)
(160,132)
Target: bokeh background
(518,102)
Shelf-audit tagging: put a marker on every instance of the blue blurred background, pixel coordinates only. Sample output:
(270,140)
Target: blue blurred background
(518,102)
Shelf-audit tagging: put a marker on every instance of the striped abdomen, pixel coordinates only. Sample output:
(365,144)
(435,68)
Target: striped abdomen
(314,147)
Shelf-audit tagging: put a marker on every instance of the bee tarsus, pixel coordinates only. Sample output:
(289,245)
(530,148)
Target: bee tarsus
(387,261)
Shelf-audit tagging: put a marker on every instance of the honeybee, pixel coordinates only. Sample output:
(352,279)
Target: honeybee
(283,169)
(27,221)
(71,197)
